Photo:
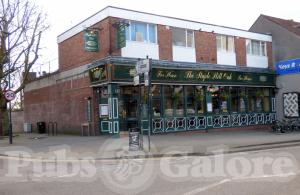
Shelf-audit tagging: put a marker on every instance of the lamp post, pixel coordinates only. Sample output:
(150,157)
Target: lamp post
(9,88)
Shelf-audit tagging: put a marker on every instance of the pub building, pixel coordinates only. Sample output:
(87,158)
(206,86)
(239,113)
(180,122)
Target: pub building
(204,76)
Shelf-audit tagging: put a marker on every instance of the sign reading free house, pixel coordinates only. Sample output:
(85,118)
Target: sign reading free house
(288,66)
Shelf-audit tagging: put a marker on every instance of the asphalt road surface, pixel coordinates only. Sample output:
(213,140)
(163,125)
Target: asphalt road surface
(274,171)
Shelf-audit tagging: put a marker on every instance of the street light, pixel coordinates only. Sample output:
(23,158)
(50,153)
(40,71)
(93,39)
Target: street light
(9,103)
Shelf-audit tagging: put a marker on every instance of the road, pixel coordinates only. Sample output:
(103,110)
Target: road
(274,171)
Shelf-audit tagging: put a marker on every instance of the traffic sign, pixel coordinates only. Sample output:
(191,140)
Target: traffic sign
(136,80)
(9,95)
(142,66)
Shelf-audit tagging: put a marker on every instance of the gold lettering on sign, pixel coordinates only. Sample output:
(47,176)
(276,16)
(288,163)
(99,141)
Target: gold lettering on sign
(160,74)
(244,78)
(171,75)
(189,75)
(203,76)
(222,76)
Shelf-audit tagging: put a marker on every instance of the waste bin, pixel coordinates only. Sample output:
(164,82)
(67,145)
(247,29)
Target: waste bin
(135,141)
(41,127)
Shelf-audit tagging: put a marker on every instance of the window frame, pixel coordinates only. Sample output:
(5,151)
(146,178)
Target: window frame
(186,38)
(147,29)
(226,37)
(262,52)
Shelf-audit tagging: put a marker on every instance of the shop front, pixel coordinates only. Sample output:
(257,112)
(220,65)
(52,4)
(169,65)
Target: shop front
(184,96)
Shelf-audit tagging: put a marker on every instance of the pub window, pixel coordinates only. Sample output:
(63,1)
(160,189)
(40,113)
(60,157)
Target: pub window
(200,96)
(242,99)
(156,91)
(266,99)
(190,97)
(156,102)
(251,99)
(259,100)
(169,101)
(183,37)
(225,43)
(141,32)
(178,97)
(234,99)
(220,96)
(224,96)
(156,107)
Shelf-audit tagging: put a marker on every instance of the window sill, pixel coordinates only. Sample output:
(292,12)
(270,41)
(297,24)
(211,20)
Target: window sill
(184,47)
(259,56)
(139,42)
(226,52)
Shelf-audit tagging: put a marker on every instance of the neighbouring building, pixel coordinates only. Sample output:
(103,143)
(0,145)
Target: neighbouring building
(286,54)
(204,76)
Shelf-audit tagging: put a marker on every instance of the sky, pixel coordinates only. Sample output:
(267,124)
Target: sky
(63,14)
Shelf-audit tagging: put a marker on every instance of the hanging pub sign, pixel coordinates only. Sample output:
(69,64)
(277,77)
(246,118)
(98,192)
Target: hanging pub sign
(121,35)
(91,42)
(98,74)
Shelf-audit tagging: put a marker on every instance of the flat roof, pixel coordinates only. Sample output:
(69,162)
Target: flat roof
(128,14)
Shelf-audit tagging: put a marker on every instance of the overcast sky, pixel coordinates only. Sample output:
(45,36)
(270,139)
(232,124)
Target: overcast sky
(63,14)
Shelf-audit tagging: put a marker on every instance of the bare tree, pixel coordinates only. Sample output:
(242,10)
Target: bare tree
(21,27)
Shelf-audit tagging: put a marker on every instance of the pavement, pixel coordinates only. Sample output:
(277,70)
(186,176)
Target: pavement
(197,143)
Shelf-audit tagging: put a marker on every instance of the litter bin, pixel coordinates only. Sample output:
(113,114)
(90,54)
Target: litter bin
(135,141)
(41,127)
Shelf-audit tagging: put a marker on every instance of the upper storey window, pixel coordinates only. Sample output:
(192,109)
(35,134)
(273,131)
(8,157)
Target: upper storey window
(225,43)
(257,48)
(141,32)
(183,37)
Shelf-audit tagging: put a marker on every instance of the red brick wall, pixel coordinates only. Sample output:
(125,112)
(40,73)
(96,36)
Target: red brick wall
(270,55)
(240,51)
(164,37)
(206,47)
(63,103)
(71,51)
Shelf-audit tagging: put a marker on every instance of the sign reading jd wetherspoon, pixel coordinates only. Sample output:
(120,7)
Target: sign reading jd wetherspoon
(288,66)
(122,73)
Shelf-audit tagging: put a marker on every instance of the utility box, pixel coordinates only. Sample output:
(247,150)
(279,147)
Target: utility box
(27,127)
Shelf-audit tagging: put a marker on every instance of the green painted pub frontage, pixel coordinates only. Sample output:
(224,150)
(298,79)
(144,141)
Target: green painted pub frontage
(185,96)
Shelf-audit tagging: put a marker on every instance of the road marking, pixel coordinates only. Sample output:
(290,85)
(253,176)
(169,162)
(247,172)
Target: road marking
(198,190)
(202,189)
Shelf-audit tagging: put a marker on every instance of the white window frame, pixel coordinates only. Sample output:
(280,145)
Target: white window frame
(148,32)
(225,50)
(186,40)
(260,47)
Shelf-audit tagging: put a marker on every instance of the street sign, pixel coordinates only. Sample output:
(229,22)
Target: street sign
(146,78)
(9,95)
(136,80)
(142,66)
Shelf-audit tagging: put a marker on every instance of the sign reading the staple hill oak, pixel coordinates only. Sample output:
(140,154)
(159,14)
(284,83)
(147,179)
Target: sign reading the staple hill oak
(122,73)
(91,42)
